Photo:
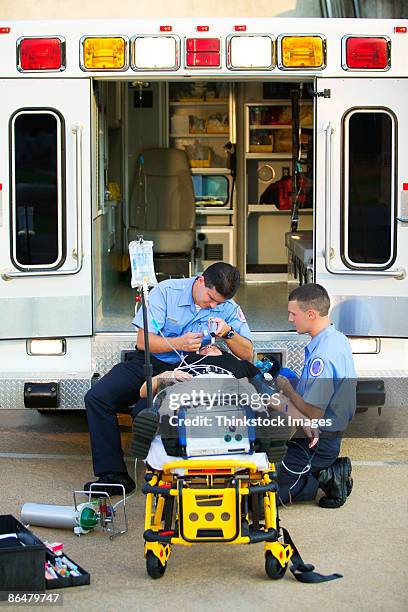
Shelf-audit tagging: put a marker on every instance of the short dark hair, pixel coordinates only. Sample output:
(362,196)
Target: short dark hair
(223,277)
(313,296)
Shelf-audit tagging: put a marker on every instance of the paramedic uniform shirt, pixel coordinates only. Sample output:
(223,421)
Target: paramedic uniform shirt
(328,379)
(172,311)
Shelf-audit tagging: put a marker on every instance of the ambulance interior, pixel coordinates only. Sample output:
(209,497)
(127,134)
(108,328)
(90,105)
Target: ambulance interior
(242,143)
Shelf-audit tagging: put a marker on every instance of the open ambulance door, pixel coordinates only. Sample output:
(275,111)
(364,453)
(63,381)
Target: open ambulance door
(45,246)
(361,221)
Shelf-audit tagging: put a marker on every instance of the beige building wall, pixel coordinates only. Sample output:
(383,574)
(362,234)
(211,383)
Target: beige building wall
(77,9)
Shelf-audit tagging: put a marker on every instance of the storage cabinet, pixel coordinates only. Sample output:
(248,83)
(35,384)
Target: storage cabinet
(200,121)
(268,163)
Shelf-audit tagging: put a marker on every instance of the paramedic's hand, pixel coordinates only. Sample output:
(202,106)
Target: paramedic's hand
(190,342)
(284,386)
(313,435)
(222,327)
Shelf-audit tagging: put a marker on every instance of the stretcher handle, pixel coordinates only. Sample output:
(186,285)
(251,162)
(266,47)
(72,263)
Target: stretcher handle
(210,464)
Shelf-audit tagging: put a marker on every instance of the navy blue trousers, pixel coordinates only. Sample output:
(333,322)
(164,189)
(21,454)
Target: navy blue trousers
(115,392)
(293,487)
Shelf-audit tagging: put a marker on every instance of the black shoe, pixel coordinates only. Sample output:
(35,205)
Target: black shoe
(336,482)
(121,478)
(145,425)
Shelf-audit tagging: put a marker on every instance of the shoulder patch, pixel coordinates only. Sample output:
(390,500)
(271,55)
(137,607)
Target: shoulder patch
(240,314)
(316,367)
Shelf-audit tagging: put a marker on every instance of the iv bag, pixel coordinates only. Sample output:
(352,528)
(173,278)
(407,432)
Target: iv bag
(141,261)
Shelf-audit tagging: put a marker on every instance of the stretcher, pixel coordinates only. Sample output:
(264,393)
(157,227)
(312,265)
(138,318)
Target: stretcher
(228,500)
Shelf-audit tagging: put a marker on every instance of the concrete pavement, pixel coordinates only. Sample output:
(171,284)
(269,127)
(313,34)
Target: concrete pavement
(43,459)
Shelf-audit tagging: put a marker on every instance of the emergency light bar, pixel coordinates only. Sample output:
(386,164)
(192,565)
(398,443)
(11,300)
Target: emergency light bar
(104,53)
(41,54)
(366,53)
(249,51)
(301,52)
(155,53)
(203,52)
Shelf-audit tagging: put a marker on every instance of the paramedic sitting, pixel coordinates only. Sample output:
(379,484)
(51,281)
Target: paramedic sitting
(178,311)
(326,390)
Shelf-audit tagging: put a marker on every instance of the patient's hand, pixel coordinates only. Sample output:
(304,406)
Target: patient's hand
(176,375)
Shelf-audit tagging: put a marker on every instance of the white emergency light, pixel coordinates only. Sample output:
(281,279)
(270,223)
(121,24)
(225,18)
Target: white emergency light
(47,346)
(365,346)
(155,53)
(250,52)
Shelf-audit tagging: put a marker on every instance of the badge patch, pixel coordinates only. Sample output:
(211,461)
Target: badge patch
(316,367)
(241,315)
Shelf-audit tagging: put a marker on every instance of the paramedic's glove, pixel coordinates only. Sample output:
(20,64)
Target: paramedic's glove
(284,386)
(190,342)
(222,327)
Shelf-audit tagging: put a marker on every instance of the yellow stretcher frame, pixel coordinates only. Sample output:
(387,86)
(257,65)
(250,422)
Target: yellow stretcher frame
(208,507)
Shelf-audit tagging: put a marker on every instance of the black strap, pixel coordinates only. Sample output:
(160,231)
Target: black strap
(303,572)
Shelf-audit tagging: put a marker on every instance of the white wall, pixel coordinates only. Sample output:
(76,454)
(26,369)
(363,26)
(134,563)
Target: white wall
(76,9)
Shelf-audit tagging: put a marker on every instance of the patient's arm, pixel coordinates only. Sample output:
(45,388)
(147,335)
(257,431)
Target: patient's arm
(169,375)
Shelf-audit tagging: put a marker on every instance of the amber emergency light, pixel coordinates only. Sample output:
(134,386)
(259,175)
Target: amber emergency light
(40,54)
(104,53)
(302,52)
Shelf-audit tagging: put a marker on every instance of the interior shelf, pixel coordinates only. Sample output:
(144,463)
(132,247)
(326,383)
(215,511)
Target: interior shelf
(200,135)
(261,155)
(271,126)
(201,103)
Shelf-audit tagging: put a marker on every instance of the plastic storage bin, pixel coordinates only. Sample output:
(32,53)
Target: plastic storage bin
(22,557)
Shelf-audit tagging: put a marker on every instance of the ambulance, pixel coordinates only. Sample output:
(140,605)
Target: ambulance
(295,135)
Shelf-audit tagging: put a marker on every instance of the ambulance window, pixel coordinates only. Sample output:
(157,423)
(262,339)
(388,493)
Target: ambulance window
(369,188)
(37,188)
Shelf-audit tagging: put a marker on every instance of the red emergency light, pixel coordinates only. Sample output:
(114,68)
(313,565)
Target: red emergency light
(40,54)
(5,30)
(202,52)
(164,28)
(367,53)
(240,28)
(203,45)
(203,28)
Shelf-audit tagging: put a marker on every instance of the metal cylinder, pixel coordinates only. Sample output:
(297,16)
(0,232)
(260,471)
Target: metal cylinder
(49,515)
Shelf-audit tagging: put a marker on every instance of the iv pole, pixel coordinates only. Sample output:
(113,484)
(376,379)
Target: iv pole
(148,368)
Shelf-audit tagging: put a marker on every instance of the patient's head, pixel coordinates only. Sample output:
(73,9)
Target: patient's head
(210,349)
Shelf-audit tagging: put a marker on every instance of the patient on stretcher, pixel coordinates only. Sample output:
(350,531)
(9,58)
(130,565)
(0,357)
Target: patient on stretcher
(213,404)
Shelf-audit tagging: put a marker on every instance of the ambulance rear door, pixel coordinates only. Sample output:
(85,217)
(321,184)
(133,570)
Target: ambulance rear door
(45,227)
(361,220)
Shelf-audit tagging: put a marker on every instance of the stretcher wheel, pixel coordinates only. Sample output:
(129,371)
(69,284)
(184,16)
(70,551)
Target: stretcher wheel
(273,568)
(154,567)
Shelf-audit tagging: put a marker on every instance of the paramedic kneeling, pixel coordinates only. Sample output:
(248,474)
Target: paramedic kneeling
(178,312)
(326,390)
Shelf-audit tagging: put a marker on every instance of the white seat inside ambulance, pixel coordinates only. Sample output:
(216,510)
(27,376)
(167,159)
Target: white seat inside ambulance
(162,203)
